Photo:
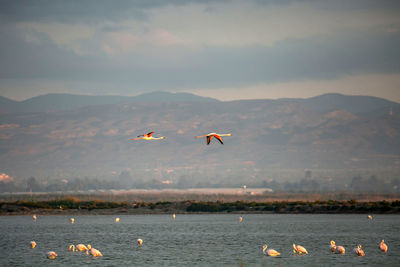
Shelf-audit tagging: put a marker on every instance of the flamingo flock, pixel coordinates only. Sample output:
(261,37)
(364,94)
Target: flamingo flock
(300,250)
(89,250)
(297,249)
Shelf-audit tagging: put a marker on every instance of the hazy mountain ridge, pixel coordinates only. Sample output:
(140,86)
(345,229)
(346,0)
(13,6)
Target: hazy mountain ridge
(58,102)
(269,136)
(352,103)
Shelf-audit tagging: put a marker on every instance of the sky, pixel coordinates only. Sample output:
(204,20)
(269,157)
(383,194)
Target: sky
(223,49)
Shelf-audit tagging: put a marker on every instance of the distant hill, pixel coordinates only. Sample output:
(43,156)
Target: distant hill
(352,103)
(7,105)
(169,97)
(272,139)
(58,102)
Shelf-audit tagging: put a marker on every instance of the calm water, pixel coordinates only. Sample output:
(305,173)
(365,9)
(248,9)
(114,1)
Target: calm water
(210,240)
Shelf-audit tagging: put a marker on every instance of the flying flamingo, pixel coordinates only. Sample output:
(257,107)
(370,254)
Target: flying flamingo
(148,137)
(383,246)
(211,135)
(94,252)
(358,250)
(270,252)
(299,249)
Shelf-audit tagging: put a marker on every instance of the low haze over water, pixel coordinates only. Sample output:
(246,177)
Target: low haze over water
(214,240)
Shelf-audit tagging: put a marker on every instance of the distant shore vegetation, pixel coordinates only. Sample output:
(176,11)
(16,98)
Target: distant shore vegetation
(125,181)
(76,206)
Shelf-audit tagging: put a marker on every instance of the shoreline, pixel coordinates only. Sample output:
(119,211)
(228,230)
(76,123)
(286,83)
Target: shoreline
(97,207)
(45,213)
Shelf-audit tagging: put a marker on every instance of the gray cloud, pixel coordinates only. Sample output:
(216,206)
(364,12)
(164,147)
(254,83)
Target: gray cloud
(94,10)
(312,58)
(70,11)
(161,59)
(82,10)
(354,5)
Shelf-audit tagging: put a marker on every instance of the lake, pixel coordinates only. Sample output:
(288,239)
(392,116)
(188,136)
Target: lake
(199,240)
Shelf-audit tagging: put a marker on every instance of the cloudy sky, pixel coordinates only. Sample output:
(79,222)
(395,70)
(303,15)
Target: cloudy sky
(222,49)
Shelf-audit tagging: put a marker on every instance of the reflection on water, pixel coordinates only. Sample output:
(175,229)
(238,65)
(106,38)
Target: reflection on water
(199,240)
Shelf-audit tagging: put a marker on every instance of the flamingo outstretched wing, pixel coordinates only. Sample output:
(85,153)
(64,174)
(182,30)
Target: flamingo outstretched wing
(209,139)
(146,135)
(219,138)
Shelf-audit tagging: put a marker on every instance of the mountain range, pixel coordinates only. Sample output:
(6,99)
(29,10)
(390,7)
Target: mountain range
(56,102)
(63,136)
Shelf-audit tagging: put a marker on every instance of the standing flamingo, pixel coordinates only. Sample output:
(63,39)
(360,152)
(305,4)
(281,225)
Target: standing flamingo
(51,255)
(337,249)
(211,135)
(358,250)
(148,137)
(80,247)
(139,241)
(299,249)
(33,244)
(333,246)
(270,252)
(94,252)
(34,217)
(340,250)
(383,246)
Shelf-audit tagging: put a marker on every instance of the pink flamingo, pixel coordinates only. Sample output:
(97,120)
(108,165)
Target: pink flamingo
(211,135)
(148,137)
